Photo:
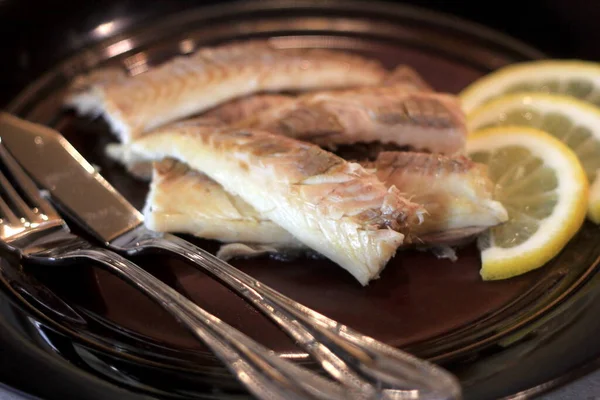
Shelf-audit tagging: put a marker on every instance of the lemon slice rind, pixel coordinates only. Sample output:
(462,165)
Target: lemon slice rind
(579,111)
(594,201)
(554,231)
(496,83)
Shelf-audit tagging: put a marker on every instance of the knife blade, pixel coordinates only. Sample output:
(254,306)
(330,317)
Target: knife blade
(72,182)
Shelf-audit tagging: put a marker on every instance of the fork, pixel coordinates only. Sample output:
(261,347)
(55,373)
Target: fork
(360,363)
(39,234)
(357,361)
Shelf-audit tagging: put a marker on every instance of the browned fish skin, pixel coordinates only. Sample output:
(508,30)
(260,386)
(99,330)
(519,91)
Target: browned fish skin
(455,191)
(330,205)
(405,75)
(424,121)
(188,85)
(245,107)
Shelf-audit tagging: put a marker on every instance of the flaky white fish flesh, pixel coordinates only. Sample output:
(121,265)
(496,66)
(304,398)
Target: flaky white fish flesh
(455,192)
(188,85)
(332,206)
(186,201)
(227,113)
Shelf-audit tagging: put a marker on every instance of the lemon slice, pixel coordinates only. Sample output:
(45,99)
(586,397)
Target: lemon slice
(579,79)
(543,187)
(573,121)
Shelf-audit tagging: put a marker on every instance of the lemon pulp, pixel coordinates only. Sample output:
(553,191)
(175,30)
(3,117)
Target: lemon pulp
(580,79)
(574,122)
(543,187)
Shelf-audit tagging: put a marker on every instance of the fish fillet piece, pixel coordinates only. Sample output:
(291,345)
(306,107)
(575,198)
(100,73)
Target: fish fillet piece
(137,164)
(406,75)
(183,200)
(80,94)
(339,119)
(100,76)
(398,114)
(245,107)
(230,112)
(188,85)
(186,201)
(456,192)
(332,206)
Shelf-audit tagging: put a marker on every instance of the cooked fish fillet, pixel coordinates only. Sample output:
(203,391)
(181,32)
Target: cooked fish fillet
(263,111)
(397,114)
(201,207)
(137,164)
(188,85)
(186,201)
(455,192)
(245,107)
(101,76)
(405,75)
(80,94)
(330,205)
(228,251)
(227,113)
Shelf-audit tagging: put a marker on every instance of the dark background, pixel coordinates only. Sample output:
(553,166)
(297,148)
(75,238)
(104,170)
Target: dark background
(32,30)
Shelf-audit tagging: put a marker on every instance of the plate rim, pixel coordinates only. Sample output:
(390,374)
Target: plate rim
(20,99)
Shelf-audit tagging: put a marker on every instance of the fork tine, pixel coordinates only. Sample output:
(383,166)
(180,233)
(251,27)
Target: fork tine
(22,207)
(26,184)
(8,214)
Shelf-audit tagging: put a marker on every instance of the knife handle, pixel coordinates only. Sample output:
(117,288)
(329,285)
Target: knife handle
(345,354)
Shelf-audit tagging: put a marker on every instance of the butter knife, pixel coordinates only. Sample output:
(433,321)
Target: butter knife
(357,361)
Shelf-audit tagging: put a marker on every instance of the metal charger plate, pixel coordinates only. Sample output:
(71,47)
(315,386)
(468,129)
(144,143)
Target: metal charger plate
(500,338)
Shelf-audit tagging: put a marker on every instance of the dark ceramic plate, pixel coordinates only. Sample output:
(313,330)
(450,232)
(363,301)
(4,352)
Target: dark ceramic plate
(485,332)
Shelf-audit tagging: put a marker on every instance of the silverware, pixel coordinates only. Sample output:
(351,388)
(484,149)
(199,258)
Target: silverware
(39,234)
(357,361)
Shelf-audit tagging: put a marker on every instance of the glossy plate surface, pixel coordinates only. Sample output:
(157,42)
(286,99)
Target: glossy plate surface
(485,332)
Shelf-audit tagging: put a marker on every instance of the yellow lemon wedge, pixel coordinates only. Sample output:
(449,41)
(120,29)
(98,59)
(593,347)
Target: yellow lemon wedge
(575,78)
(544,189)
(572,121)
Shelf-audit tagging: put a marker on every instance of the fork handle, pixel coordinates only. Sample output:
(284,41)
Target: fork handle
(346,351)
(264,374)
